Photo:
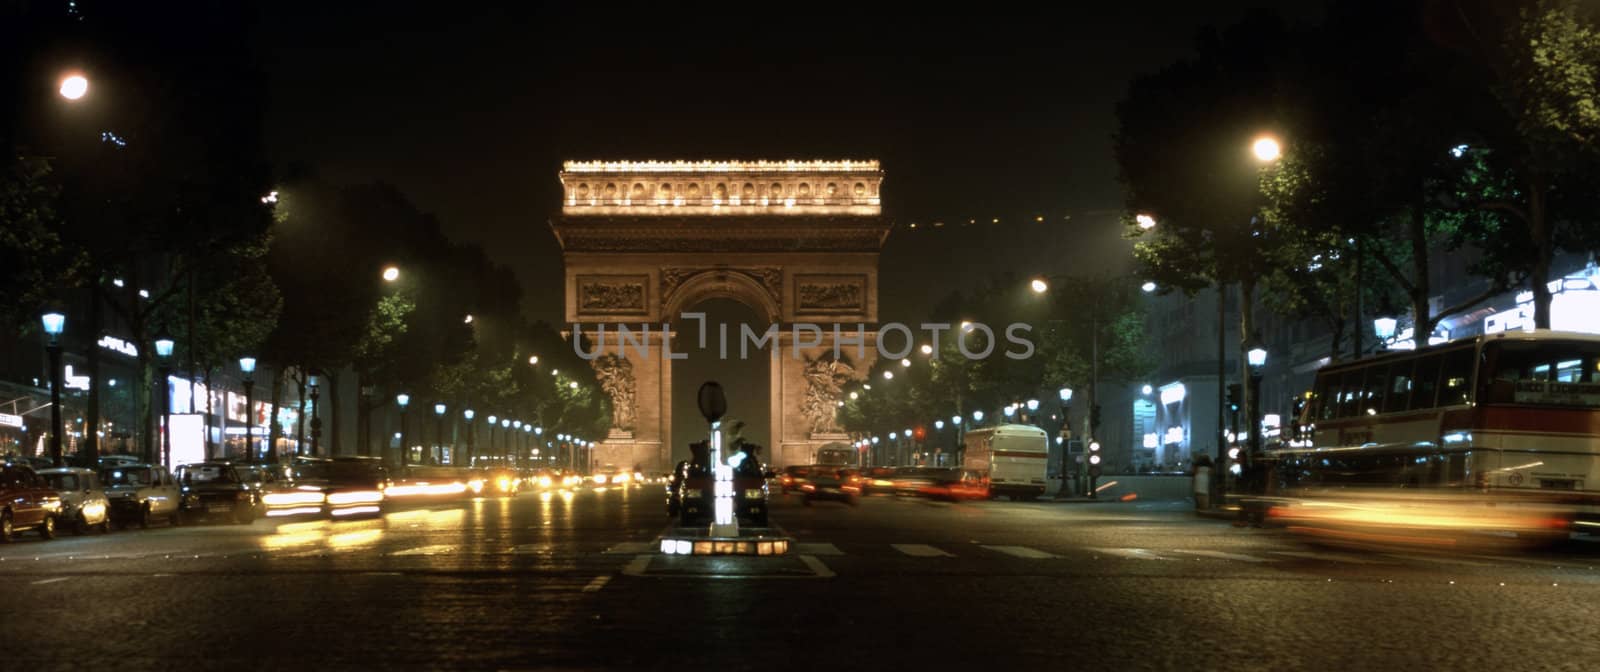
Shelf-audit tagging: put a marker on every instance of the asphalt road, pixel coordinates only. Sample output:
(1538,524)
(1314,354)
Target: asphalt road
(571,581)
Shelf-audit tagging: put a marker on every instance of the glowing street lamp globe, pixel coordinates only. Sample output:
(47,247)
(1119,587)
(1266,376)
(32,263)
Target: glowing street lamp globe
(74,87)
(1039,286)
(1266,149)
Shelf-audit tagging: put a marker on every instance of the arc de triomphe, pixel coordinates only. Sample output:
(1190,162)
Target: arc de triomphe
(796,241)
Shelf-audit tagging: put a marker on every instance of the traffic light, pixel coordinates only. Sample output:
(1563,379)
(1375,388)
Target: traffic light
(1235,397)
(1094,417)
(1094,466)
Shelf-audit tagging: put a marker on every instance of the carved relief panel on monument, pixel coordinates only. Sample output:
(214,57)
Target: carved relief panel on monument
(616,378)
(830,294)
(826,378)
(612,294)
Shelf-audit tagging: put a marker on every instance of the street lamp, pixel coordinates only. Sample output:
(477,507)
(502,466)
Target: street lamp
(1267,149)
(247,366)
(314,386)
(74,86)
(1146,222)
(505,439)
(1146,390)
(533,360)
(164,345)
(55,322)
(926,349)
(1384,328)
(438,413)
(888,375)
(977,416)
(938,425)
(391,274)
(1065,394)
(469,414)
(1148,287)
(1256,357)
(493,420)
(1039,286)
(404,400)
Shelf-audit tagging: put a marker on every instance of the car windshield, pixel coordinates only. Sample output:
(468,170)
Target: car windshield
(208,473)
(133,477)
(63,481)
(338,472)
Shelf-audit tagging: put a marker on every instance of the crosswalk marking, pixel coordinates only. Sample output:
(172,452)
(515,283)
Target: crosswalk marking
(1222,555)
(817,549)
(921,551)
(1022,552)
(1330,557)
(1133,553)
(438,549)
(41,582)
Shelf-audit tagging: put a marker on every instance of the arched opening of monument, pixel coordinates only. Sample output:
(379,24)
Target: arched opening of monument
(747,380)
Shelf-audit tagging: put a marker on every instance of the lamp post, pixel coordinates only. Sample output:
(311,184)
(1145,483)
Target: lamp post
(316,422)
(438,434)
(247,366)
(468,414)
(1256,356)
(164,345)
(505,439)
(493,420)
(1065,395)
(404,400)
(54,323)
(514,448)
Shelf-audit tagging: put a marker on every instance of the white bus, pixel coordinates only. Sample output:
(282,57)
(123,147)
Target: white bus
(1508,416)
(1008,460)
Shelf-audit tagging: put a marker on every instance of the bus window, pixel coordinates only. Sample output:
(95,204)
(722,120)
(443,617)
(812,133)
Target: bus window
(1327,397)
(1350,392)
(1373,392)
(1399,387)
(1455,378)
(1426,385)
(1558,373)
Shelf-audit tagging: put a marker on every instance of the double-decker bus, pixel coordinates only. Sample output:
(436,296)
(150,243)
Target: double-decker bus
(1508,418)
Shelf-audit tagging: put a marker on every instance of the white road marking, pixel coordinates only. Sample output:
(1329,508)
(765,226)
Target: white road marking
(1223,555)
(637,566)
(817,567)
(1132,553)
(437,549)
(1438,559)
(819,548)
(598,583)
(1022,552)
(1558,564)
(1331,557)
(921,551)
(625,548)
(41,582)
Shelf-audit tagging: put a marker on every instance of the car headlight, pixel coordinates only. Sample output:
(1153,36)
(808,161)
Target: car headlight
(600,478)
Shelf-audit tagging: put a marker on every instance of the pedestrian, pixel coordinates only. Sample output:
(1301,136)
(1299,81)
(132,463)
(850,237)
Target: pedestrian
(1202,482)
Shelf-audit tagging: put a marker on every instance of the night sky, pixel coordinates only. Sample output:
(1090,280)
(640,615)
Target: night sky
(1000,114)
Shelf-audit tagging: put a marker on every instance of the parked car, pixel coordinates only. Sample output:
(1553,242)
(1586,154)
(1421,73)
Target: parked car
(215,490)
(26,502)
(140,494)
(84,505)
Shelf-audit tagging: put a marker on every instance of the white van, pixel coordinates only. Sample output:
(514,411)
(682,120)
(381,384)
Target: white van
(1009,460)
